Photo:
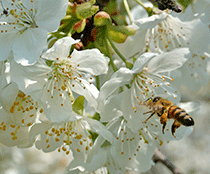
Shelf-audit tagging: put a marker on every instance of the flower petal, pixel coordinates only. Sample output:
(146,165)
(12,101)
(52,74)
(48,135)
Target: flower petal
(57,104)
(3,81)
(6,42)
(89,91)
(49,14)
(60,49)
(28,47)
(30,78)
(169,61)
(100,129)
(8,95)
(119,78)
(91,61)
(142,61)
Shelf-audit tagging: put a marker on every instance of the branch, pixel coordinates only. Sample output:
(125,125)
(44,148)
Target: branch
(159,157)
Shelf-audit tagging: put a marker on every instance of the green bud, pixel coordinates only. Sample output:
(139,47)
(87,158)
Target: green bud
(123,29)
(117,36)
(102,18)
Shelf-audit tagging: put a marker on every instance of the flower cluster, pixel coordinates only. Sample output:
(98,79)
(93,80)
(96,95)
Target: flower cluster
(86,86)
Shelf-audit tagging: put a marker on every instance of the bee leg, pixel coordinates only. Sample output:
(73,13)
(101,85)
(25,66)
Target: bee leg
(175,126)
(164,126)
(163,120)
(149,116)
(148,112)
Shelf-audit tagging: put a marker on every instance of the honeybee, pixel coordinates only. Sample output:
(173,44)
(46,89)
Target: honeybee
(166,110)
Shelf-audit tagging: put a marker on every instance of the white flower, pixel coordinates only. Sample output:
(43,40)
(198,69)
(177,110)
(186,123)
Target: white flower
(144,83)
(130,150)
(24,30)
(163,32)
(17,114)
(57,85)
(70,137)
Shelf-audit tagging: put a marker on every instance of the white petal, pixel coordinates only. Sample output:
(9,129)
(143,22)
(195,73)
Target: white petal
(91,61)
(3,81)
(8,96)
(142,61)
(199,7)
(119,78)
(30,78)
(49,14)
(131,46)
(88,91)
(38,128)
(138,12)
(28,47)
(100,129)
(6,135)
(194,74)
(151,22)
(99,160)
(60,49)
(134,119)
(30,4)
(199,37)
(110,109)
(57,104)
(169,61)
(6,43)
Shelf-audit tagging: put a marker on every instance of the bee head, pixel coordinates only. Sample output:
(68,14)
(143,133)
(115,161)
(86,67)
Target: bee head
(156,99)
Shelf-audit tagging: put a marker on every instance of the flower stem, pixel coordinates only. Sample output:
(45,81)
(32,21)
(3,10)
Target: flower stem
(140,3)
(125,2)
(116,50)
(106,41)
(98,83)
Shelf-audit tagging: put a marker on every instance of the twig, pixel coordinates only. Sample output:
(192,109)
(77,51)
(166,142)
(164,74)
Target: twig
(159,157)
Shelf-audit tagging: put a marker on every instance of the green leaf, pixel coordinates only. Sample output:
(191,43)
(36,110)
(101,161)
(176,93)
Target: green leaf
(106,143)
(78,105)
(97,116)
(86,10)
(185,3)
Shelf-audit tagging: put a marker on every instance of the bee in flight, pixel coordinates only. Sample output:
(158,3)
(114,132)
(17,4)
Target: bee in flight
(166,110)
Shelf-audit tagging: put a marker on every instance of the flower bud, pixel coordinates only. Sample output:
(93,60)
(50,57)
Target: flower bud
(117,36)
(102,18)
(80,26)
(120,33)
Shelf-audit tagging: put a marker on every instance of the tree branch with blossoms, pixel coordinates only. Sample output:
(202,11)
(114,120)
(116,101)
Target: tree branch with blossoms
(100,81)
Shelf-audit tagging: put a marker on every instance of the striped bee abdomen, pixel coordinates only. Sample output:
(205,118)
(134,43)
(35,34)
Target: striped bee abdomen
(180,115)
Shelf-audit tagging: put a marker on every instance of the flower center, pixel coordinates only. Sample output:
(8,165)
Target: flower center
(64,69)
(73,135)
(18,17)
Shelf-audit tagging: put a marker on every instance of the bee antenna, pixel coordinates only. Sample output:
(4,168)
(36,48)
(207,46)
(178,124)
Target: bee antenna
(150,98)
